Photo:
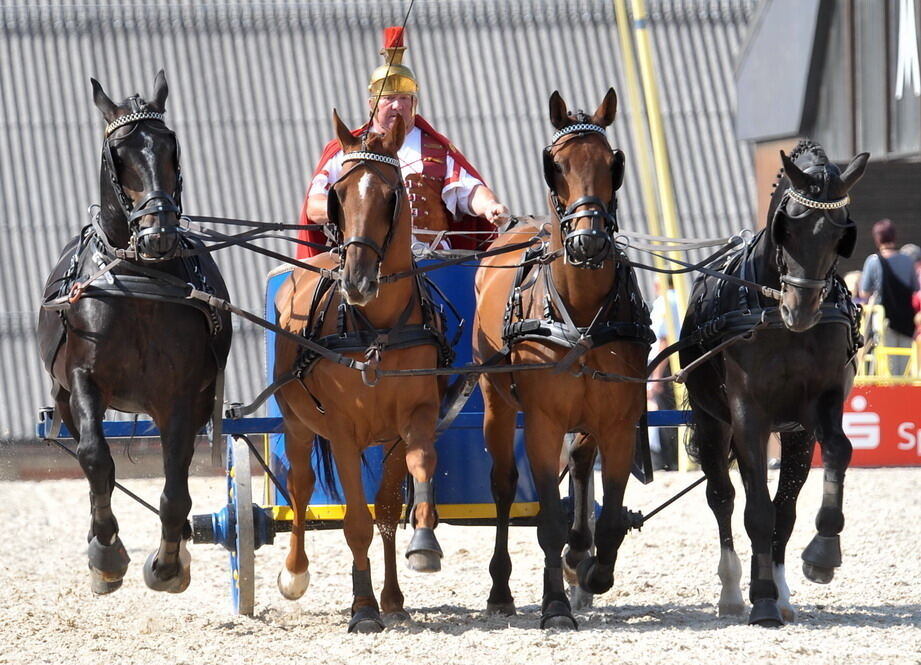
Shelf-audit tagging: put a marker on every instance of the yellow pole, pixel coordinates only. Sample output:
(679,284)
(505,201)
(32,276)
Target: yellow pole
(659,147)
(663,174)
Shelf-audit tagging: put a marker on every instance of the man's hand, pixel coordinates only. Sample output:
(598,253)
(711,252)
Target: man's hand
(483,203)
(497,213)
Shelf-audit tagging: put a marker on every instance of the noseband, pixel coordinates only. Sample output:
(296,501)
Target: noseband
(597,210)
(810,205)
(367,159)
(156,202)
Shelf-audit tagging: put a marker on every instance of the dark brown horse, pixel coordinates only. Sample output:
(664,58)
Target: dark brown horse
(793,377)
(579,299)
(128,340)
(365,318)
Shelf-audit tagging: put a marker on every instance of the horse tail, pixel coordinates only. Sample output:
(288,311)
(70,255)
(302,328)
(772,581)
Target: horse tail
(326,468)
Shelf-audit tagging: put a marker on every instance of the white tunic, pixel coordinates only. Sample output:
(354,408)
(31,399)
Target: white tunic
(458,184)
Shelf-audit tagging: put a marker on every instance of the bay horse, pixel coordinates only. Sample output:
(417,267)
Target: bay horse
(367,317)
(127,338)
(793,377)
(578,299)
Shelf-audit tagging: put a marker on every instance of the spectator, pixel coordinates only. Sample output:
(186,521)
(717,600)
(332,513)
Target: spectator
(914,252)
(663,441)
(852,282)
(889,279)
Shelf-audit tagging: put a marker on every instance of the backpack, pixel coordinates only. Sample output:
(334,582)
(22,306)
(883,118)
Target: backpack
(895,297)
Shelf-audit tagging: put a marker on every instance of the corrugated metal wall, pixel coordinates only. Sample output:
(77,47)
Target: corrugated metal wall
(252,88)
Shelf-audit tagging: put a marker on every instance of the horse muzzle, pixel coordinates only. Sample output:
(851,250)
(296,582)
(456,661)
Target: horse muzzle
(157,243)
(587,248)
(800,314)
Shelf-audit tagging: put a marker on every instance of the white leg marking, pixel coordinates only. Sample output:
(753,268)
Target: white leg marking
(291,585)
(787,612)
(730,574)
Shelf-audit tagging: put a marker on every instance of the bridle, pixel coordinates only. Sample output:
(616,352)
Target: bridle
(811,206)
(367,158)
(156,202)
(597,210)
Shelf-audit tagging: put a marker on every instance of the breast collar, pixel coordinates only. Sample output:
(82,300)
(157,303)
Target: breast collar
(557,327)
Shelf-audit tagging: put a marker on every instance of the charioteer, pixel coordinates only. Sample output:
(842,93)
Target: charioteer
(445,191)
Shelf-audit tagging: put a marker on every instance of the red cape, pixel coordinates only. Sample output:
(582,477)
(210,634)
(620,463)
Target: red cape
(466,223)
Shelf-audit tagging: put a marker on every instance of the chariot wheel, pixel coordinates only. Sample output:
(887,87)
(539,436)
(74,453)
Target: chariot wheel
(243,556)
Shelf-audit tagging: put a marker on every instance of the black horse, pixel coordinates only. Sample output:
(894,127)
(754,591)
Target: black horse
(792,377)
(116,331)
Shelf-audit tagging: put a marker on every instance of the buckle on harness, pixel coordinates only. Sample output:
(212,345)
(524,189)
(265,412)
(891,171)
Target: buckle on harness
(76,292)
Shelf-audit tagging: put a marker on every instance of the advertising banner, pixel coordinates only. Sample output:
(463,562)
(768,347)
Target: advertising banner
(883,423)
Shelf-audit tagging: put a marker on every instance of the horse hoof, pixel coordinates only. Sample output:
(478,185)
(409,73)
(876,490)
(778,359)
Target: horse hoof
(424,553)
(818,574)
(821,556)
(594,577)
(175,584)
(730,609)
(366,620)
(765,614)
(787,613)
(101,586)
(579,598)
(108,565)
(558,615)
(396,617)
(293,585)
(506,609)
(423,562)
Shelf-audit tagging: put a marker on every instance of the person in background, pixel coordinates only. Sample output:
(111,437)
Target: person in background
(914,253)
(660,396)
(889,279)
(852,282)
(445,191)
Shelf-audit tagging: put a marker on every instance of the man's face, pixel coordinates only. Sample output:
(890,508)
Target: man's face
(391,106)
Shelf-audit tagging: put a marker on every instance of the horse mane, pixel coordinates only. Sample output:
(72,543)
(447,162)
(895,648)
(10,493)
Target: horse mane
(807,153)
(580,117)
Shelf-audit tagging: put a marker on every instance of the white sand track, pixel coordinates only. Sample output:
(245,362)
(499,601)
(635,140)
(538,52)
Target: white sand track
(661,610)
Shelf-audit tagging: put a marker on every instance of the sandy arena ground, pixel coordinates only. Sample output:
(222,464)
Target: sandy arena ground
(661,610)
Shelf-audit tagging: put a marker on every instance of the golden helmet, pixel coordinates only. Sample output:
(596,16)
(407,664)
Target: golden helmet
(393,77)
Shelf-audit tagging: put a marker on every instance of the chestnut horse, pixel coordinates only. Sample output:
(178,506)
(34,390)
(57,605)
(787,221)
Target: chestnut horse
(578,300)
(793,377)
(129,339)
(368,318)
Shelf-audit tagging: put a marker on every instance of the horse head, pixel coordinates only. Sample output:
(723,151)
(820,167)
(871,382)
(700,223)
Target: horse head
(140,178)
(365,206)
(810,227)
(584,174)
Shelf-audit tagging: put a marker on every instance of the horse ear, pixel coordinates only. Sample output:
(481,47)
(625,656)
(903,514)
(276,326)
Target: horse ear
(343,134)
(606,111)
(161,90)
(617,169)
(854,170)
(394,138)
(559,115)
(102,101)
(797,178)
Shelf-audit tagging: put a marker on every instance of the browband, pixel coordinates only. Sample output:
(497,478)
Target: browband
(130,118)
(372,156)
(579,127)
(818,205)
